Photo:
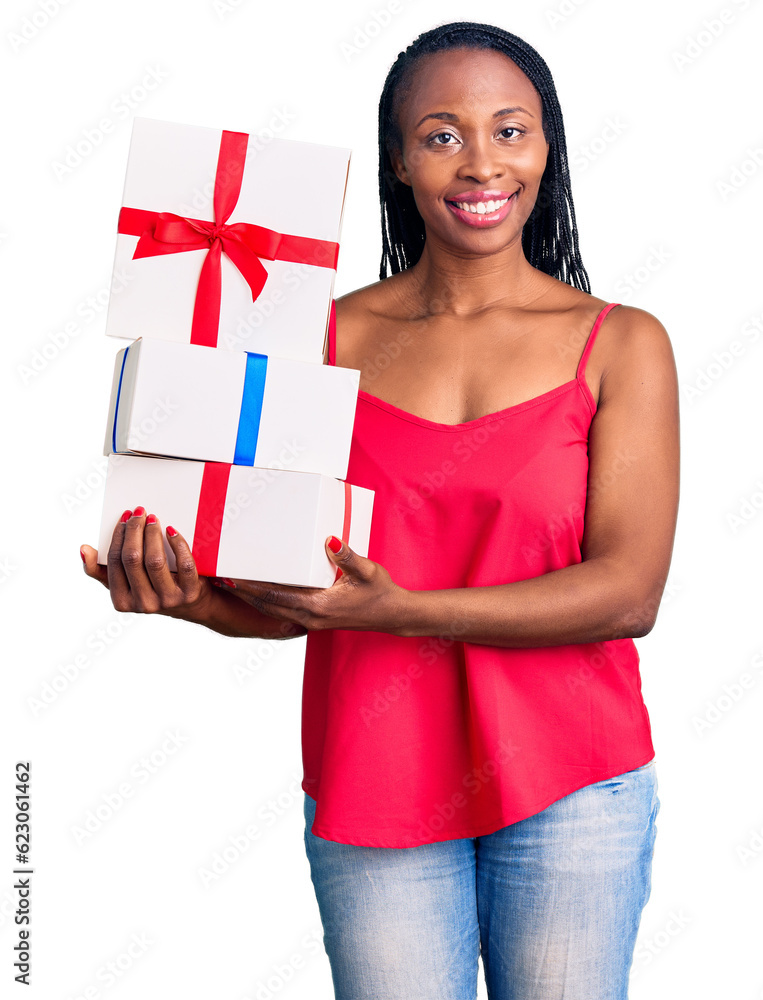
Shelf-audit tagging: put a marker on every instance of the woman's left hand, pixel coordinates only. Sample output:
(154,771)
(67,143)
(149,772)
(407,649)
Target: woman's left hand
(364,597)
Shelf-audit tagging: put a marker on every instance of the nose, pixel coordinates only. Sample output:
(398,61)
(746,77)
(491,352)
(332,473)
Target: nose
(480,160)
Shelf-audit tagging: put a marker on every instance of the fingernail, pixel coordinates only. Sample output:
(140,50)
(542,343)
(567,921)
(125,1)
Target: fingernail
(139,512)
(338,574)
(151,519)
(335,543)
(125,517)
(171,531)
(227,582)
(83,555)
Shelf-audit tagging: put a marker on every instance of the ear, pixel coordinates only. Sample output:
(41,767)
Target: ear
(398,165)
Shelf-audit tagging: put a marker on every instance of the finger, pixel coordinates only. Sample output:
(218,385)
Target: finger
(144,597)
(187,575)
(91,566)
(261,596)
(155,561)
(350,562)
(272,597)
(118,585)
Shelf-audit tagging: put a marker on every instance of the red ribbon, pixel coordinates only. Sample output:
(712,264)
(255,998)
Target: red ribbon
(211,511)
(345,522)
(209,519)
(243,242)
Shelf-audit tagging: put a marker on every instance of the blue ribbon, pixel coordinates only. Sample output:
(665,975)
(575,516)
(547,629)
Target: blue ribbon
(251,408)
(116,405)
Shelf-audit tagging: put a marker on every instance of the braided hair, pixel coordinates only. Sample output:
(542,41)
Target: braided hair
(550,236)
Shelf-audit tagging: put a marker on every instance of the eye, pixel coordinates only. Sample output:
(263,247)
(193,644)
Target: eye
(439,135)
(434,140)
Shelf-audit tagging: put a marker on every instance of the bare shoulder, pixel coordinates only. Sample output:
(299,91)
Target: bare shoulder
(363,314)
(637,347)
(377,299)
(637,334)
(353,307)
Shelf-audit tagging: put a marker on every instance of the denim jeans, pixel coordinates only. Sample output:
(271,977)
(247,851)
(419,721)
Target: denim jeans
(552,903)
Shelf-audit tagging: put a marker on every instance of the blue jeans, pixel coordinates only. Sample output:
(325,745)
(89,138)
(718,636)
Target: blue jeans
(553,903)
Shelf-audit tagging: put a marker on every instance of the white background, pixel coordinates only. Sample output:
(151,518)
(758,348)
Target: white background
(682,88)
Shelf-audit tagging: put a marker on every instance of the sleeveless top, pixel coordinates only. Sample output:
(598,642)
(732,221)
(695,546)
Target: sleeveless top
(414,740)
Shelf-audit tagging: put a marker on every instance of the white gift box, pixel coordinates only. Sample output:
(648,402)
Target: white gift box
(241,522)
(187,401)
(295,189)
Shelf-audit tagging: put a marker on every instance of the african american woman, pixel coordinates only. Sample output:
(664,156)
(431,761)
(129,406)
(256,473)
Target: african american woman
(479,772)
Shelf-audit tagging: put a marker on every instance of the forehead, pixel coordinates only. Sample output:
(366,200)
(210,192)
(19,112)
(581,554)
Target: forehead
(466,77)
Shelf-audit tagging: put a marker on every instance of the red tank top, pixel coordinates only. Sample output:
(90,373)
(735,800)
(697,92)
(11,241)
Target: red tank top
(411,740)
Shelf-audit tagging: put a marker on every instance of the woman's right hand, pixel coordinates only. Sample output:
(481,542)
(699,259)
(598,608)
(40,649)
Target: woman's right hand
(139,579)
(137,575)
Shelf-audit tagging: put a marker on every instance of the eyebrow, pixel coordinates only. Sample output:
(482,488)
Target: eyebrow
(449,117)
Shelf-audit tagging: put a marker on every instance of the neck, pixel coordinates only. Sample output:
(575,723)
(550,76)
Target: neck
(445,281)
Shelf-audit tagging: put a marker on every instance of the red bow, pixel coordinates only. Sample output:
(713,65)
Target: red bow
(243,242)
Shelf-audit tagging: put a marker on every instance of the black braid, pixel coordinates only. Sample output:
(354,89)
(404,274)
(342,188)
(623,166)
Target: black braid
(550,236)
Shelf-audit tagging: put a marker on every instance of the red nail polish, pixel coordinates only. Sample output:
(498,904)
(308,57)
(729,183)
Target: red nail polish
(171,531)
(125,517)
(335,543)
(151,519)
(227,582)
(82,554)
(139,512)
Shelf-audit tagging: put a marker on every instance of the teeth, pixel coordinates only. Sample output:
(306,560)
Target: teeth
(480,207)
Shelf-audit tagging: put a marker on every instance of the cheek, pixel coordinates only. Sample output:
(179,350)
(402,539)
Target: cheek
(530,165)
(415,160)
(428,185)
(427,210)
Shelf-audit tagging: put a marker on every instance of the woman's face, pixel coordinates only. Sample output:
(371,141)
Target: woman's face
(472,132)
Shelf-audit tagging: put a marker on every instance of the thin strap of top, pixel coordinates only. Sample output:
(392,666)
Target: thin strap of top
(592,337)
(581,364)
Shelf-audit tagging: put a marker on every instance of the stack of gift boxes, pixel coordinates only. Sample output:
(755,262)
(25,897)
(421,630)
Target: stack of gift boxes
(224,420)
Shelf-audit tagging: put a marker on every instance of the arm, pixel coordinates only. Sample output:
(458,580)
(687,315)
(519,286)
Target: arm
(138,579)
(630,523)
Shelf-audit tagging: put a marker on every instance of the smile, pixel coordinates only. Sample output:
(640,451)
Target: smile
(481,213)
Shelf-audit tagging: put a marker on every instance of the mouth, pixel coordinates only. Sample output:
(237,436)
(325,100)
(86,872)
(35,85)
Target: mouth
(482,213)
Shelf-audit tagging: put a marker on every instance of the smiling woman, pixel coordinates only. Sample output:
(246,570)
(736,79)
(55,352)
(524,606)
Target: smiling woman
(478,761)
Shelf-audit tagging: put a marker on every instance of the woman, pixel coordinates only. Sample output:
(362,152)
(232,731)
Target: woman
(479,769)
